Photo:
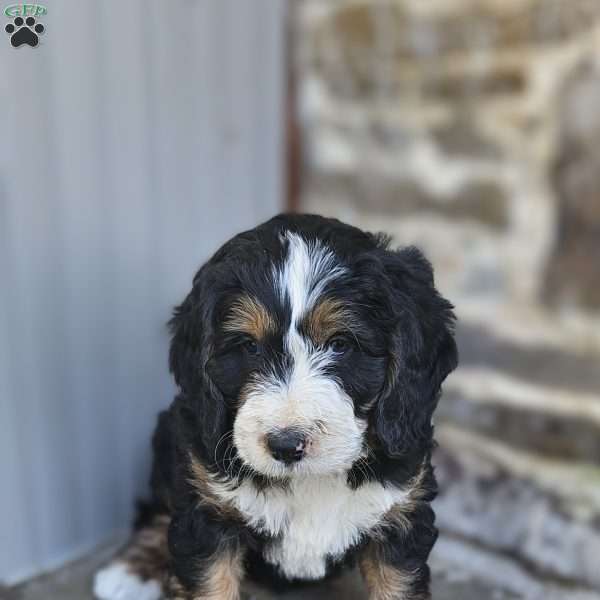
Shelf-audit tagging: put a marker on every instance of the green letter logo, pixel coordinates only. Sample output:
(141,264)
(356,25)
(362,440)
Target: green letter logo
(24,10)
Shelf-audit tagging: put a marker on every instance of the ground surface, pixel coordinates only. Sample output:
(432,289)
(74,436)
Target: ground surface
(74,583)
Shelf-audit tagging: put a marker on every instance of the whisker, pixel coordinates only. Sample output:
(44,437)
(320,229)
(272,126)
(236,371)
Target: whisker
(221,439)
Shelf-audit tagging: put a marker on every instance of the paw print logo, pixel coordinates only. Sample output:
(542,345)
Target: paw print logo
(24,31)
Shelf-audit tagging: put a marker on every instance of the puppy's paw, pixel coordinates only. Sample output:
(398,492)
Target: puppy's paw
(115,582)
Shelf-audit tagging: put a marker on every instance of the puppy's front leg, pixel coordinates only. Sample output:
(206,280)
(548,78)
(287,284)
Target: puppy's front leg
(394,563)
(206,559)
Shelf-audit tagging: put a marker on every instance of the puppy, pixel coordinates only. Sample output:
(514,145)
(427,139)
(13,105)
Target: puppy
(309,358)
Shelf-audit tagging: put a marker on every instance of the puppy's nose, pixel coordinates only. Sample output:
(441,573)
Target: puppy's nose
(287,445)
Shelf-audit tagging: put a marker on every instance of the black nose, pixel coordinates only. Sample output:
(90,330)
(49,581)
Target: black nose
(287,445)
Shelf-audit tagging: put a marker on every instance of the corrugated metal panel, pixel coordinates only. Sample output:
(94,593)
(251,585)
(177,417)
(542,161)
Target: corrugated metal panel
(135,138)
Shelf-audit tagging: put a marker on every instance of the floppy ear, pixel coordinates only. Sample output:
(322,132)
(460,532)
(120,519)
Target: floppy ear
(205,413)
(185,353)
(190,327)
(423,352)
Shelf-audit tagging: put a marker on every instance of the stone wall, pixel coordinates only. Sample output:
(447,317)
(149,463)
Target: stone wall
(472,129)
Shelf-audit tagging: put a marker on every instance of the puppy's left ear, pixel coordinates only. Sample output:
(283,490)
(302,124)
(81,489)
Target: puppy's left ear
(423,352)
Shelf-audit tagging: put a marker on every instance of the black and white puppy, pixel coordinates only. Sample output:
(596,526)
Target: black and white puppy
(309,357)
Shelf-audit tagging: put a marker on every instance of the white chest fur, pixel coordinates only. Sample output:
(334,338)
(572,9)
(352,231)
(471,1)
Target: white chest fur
(315,517)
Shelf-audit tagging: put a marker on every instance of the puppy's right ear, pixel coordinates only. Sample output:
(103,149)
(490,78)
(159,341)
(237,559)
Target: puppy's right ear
(185,354)
(203,411)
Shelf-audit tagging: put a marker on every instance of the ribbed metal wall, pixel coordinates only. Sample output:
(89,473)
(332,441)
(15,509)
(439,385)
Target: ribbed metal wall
(133,141)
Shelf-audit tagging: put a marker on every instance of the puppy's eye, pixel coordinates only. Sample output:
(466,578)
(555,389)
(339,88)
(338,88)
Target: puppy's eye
(250,346)
(339,344)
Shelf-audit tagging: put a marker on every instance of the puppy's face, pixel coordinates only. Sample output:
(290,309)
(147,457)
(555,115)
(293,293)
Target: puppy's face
(302,362)
(299,328)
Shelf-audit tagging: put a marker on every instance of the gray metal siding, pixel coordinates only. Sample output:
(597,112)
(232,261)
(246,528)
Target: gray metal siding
(130,148)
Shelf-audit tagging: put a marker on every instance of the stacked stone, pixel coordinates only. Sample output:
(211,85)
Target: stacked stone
(471,128)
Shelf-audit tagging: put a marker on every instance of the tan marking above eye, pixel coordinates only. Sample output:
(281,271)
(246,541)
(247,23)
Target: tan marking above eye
(329,318)
(248,315)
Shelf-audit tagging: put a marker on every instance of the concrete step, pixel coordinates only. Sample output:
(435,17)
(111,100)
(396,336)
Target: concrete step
(534,362)
(519,458)
(547,420)
(544,513)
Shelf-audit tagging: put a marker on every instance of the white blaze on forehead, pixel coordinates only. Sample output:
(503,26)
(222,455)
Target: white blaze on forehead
(308,268)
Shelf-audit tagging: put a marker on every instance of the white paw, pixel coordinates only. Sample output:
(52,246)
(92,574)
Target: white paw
(115,582)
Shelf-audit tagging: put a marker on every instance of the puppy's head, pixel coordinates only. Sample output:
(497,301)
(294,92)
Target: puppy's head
(305,342)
